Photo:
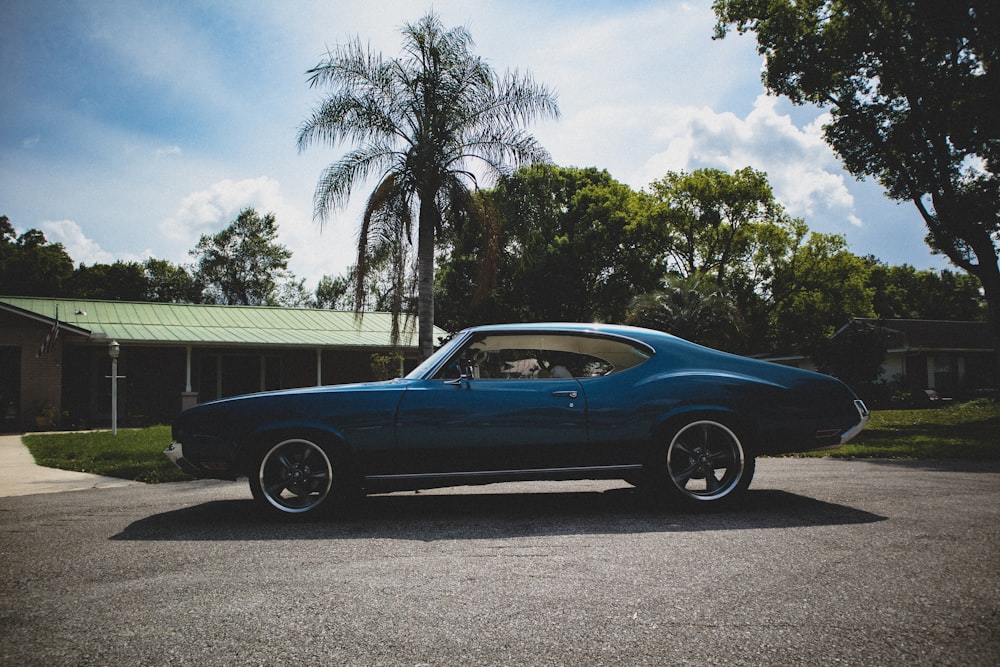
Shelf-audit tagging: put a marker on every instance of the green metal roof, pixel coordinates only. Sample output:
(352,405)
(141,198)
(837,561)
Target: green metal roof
(190,324)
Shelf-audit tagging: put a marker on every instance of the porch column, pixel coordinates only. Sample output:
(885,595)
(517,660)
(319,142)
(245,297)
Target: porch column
(188,398)
(319,367)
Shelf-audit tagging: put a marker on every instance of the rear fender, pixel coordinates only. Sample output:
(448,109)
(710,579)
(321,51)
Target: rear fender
(671,421)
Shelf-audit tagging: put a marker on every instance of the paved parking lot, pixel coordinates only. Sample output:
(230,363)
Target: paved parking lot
(826,562)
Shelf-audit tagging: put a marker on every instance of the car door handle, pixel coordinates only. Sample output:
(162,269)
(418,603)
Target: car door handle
(565,394)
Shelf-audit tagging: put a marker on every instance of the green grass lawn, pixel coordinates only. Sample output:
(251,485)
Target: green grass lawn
(132,454)
(960,431)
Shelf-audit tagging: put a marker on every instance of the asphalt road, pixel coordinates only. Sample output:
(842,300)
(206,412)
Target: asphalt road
(826,562)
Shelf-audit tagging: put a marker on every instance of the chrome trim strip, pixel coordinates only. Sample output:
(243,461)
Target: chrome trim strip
(864,414)
(503,473)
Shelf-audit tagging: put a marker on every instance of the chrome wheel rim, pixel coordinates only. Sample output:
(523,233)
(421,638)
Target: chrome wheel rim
(295,476)
(705,460)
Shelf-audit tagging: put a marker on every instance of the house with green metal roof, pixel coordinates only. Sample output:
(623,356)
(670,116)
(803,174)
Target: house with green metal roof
(55,363)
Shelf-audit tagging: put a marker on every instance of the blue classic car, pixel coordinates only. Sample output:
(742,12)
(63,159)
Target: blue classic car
(525,402)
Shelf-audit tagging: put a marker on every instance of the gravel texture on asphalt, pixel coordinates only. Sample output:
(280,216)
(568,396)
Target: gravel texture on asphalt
(823,562)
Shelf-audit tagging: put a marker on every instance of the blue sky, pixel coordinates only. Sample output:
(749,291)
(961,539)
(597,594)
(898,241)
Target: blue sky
(129,128)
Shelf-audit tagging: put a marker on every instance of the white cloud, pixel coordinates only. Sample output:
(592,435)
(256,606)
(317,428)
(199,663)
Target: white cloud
(167,151)
(214,208)
(803,171)
(81,248)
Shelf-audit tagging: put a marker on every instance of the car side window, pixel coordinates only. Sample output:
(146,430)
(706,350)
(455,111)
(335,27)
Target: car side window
(539,357)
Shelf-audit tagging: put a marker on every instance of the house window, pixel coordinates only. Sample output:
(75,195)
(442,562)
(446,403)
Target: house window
(946,372)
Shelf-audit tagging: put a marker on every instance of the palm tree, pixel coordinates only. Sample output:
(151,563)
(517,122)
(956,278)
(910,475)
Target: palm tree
(421,124)
(693,308)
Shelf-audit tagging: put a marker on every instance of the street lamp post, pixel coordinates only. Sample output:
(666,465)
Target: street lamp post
(113,350)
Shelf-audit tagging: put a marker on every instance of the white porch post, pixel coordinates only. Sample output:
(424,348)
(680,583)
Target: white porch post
(113,351)
(189,398)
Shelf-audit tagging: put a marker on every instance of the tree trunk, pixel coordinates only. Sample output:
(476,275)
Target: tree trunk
(989,276)
(951,236)
(425,276)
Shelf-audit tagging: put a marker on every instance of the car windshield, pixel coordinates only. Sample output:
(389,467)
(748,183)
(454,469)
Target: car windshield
(432,361)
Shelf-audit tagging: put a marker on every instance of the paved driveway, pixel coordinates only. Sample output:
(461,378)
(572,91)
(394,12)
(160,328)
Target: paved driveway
(826,562)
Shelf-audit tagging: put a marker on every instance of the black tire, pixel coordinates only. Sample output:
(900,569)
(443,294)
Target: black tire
(294,476)
(703,463)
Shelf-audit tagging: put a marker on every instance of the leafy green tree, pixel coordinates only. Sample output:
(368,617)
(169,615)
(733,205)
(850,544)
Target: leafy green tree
(121,281)
(30,265)
(912,91)
(817,286)
(713,220)
(291,293)
(170,283)
(729,230)
(334,292)
(243,264)
(568,248)
(903,292)
(421,124)
(473,272)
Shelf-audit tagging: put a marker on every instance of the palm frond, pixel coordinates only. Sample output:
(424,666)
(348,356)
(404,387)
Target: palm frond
(386,229)
(425,123)
(338,179)
(349,66)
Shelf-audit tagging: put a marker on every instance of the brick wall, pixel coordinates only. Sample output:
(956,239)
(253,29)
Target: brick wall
(41,377)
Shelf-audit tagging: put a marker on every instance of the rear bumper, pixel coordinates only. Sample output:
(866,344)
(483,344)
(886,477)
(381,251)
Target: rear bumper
(864,415)
(833,437)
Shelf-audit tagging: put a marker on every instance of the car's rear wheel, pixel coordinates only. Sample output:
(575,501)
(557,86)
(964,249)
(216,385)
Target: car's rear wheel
(294,476)
(704,463)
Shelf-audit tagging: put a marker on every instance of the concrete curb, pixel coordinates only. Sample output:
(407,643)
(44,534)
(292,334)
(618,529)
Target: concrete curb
(21,476)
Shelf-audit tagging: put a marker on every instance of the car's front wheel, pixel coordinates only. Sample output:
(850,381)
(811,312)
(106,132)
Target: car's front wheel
(704,463)
(294,476)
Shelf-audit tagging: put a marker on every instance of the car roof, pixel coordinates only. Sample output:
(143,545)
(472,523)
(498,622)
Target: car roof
(647,336)
(572,327)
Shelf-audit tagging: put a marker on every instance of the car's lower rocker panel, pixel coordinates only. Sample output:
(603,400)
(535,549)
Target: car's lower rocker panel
(409,481)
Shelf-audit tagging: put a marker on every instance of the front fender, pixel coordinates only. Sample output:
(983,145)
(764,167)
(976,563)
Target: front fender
(271,433)
(361,418)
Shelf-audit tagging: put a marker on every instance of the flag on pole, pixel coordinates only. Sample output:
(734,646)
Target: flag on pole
(50,338)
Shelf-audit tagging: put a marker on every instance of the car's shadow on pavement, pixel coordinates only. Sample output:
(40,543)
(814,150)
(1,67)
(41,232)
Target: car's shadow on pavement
(429,517)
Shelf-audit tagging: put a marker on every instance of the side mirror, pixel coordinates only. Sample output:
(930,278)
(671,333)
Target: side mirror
(466,374)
